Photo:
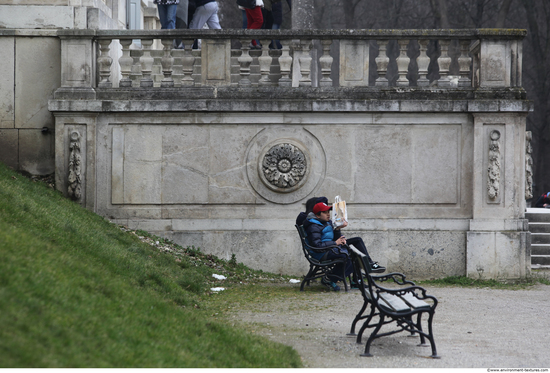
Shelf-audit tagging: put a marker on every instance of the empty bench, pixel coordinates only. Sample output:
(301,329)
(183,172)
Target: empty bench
(399,305)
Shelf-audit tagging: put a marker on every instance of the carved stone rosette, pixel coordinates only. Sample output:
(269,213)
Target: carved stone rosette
(528,166)
(493,176)
(75,159)
(284,167)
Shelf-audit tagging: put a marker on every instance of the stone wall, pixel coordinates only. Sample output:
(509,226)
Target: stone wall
(30,65)
(414,178)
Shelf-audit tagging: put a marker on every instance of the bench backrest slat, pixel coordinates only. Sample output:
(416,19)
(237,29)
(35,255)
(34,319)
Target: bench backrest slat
(396,303)
(414,302)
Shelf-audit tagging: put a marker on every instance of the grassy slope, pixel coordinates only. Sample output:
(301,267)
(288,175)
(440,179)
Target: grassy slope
(76,291)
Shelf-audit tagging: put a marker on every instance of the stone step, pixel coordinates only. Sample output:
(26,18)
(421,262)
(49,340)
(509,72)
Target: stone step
(535,227)
(540,238)
(540,249)
(540,267)
(542,216)
(543,260)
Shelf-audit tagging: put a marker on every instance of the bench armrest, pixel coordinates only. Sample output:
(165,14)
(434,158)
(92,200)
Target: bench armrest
(398,278)
(407,290)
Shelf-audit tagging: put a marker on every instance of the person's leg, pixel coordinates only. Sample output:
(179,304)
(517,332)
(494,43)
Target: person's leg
(255,20)
(171,11)
(275,44)
(359,245)
(245,21)
(336,274)
(162,9)
(213,21)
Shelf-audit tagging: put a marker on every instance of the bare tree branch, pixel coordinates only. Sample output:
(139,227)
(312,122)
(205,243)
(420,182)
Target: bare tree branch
(502,13)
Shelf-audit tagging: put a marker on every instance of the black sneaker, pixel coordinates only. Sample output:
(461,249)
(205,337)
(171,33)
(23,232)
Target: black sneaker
(377,268)
(329,284)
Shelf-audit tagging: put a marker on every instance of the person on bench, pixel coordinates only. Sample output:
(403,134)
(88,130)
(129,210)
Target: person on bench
(355,241)
(320,234)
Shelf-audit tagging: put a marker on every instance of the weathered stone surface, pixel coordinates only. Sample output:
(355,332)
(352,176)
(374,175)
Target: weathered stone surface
(27,16)
(7,102)
(36,81)
(9,147)
(498,254)
(38,154)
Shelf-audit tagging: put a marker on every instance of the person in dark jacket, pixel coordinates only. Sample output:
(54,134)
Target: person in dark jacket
(543,201)
(357,242)
(320,234)
(309,208)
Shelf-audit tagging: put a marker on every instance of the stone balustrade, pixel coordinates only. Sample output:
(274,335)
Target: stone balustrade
(450,59)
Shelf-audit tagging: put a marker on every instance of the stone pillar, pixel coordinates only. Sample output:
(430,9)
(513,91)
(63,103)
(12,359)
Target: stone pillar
(302,19)
(77,65)
(498,239)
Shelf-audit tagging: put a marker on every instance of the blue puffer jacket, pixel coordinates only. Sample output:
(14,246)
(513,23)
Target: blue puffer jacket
(319,234)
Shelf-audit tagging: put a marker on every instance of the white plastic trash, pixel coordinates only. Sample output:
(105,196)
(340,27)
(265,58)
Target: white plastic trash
(217,289)
(293,281)
(219,277)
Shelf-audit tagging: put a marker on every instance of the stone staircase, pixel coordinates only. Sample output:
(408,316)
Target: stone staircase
(539,226)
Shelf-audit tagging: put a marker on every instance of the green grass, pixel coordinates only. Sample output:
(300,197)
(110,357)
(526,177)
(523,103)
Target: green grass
(464,281)
(77,291)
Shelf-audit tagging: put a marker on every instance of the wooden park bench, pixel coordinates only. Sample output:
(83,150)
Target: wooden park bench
(400,304)
(318,268)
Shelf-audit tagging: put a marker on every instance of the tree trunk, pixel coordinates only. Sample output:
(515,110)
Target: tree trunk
(502,13)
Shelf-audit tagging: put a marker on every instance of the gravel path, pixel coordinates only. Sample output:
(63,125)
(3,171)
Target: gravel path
(473,328)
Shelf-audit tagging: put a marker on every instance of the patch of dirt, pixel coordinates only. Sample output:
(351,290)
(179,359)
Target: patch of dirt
(473,328)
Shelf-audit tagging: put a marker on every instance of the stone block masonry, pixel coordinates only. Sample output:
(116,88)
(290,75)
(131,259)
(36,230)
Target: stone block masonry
(433,172)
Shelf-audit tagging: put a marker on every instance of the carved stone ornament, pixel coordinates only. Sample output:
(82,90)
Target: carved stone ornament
(528,166)
(493,176)
(284,167)
(75,159)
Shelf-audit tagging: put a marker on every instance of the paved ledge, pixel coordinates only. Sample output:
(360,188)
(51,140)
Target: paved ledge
(207,225)
(290,100)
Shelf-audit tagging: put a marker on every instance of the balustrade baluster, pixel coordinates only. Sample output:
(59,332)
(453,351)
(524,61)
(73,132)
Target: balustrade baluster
(464,62)
(187,63)
(167,61)
(444,64)
(146,63)
(382,62)
(285,63)
(403,63)
(423,62)
(104,62)
(244,61)
(305,63)
(326,64)
(136,75)
(265,63)
(125,62)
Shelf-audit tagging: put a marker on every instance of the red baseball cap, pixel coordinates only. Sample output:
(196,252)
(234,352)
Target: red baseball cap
(321,206)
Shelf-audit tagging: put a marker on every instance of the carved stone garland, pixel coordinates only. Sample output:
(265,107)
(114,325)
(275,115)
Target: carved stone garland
(493,177)
(284,166)
(528,166)
(75,181)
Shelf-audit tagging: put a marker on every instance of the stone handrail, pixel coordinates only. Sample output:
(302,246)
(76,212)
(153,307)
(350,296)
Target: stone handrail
(450,59)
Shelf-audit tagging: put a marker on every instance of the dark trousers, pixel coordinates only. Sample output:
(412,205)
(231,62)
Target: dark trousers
(359,245)
(338,268)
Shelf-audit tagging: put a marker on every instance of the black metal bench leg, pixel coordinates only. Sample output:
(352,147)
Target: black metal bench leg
(357,318)
(419,327)
(372,337)
(431,337)
(365,325)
